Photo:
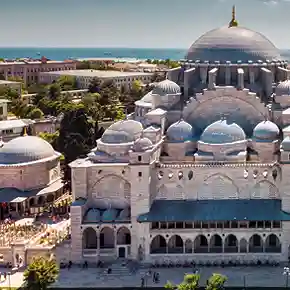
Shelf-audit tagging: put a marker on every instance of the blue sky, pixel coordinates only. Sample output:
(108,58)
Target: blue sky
(134,23)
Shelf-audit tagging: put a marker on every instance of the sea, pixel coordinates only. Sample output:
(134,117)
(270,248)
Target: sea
(83,53)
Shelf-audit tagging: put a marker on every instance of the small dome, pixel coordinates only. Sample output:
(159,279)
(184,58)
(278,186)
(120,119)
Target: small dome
(221,132)
(285,145)
(283,88)
(180,131)
(166,87)
(122,132)
(266,130)
(25,149)
(142,144)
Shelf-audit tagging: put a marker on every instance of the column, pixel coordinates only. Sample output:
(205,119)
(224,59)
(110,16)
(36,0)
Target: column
(98,245)
(115,241)
(228,73)
(240,78)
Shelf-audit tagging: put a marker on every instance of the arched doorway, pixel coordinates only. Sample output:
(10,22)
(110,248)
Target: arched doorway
(243,246)
(188,247)
(201,244)
(216,244)
(231,244)
(107,238)
(50,198)
(31,201)
(123,236)
(158,245)
(256,244)
(272,244)
(90,239)
(40,200)
(175,245)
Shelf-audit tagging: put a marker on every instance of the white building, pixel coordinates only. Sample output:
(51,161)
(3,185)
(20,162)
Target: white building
(84,77)
(200,171)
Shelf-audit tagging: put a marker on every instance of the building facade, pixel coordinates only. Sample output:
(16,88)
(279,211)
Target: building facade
(29,70)
(200,171)
(84,77)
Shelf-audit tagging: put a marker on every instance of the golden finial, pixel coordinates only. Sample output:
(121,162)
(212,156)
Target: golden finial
(234,22)
(25,131)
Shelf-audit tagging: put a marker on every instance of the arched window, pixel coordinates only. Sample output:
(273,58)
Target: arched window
(158,245)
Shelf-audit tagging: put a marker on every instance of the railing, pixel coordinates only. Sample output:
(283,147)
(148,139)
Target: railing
(175,250)
(203,249)
(253,249)
(231,249)
(89,252)
(217,249)
(273,249)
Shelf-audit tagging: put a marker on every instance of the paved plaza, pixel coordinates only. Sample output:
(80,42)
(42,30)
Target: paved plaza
(92,277)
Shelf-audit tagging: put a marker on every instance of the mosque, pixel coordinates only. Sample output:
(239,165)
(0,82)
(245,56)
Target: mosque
(199,172)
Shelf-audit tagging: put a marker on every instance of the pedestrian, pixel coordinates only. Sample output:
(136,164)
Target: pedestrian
(142,282)
(154,277)
(5,275)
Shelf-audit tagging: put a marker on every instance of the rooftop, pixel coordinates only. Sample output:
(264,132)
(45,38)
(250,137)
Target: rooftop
(215,210)
(10,124)
(97,73)
(4,82)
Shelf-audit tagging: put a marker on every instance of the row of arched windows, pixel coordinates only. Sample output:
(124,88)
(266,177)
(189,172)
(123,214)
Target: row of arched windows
(107,238)
(215,244)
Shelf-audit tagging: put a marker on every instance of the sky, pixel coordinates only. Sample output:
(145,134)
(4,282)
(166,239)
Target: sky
(134,23)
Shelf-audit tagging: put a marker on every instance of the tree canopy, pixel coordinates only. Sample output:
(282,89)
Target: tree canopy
(191,282)
(41,273)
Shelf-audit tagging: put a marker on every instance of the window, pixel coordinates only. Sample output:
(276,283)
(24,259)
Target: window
(139,158)
(140,174)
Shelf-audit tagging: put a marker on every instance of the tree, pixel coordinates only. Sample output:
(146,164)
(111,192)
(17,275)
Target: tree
(158,77)
(54,91)
(76,137)
(95,85)
(98,132)
(67,83)
(41,273)
(216,282)
(190,282)
(35,113)
(51,138)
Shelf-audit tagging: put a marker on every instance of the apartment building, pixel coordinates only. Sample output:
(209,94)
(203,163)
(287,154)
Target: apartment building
(29,70)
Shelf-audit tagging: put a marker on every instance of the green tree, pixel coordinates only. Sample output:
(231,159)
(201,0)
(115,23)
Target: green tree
(41,273)
(76,137)
(35,113)
(67,83)
(158,77)
(95,85)
(54,91)
(51,138)
(190,282)
(216,282)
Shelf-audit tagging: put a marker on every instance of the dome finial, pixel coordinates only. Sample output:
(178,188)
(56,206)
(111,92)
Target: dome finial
(233,22)
(25,131)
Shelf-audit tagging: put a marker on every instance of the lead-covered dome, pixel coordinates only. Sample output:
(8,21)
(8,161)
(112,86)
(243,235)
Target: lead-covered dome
(221,132)
(142,144)
(232,44)
(283,88)
(180,131)
(124,131)
(25,149)
(266,130)
(166,87)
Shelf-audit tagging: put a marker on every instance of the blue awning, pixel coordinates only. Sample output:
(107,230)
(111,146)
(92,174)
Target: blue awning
(215,210)
(11,194)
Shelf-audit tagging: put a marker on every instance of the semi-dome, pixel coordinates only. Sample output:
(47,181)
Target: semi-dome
(180,131)
(285,145)
(283,88)
(232,44)
(142,144)
(122,132)
(25,149)
(221,132)
(166,87)
(266,130)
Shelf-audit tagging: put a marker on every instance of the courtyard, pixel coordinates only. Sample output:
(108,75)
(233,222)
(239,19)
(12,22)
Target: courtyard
(121,276)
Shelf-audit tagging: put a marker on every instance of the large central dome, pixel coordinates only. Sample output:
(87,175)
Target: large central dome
(232,44)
